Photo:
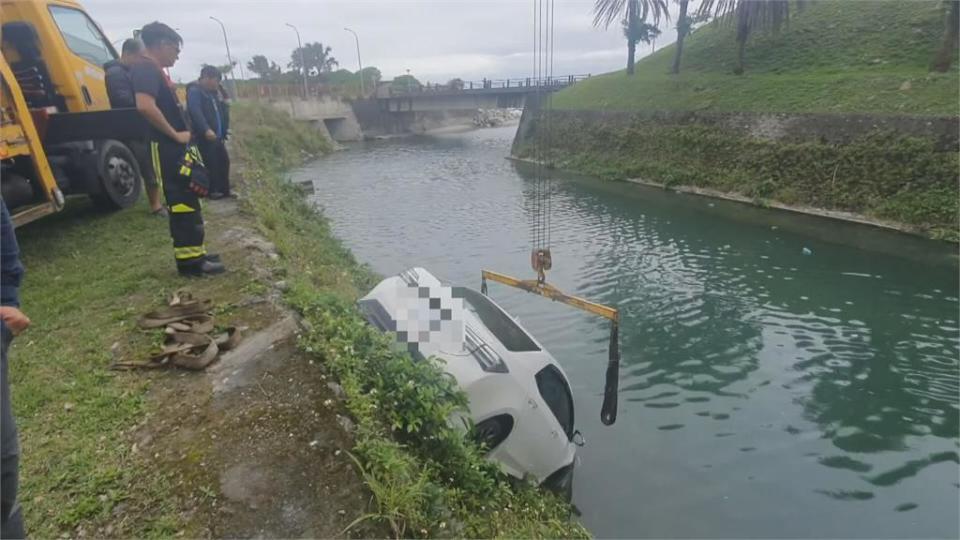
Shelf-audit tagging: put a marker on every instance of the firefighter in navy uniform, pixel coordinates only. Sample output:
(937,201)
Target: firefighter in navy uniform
(176,161)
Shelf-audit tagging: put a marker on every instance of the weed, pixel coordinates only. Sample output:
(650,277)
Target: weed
(882,174)
(426,476)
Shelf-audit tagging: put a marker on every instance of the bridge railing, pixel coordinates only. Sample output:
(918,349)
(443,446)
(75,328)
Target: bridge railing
(457,85)
(280,91)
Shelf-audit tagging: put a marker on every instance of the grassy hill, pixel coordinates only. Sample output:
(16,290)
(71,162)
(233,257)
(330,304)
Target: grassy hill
(835,56)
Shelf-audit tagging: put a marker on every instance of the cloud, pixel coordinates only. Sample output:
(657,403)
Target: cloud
(436,40)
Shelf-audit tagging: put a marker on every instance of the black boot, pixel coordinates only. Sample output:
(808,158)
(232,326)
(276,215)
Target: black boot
(203,268)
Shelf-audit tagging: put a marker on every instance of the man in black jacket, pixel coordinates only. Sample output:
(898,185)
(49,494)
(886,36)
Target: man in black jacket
(208,121)
(121,95)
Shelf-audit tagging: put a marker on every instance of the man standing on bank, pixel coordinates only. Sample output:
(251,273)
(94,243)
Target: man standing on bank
(12,323)
(120,92)
(176,162)
(208,119)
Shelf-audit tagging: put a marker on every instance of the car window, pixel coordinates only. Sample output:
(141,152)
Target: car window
(82,35)
(554,390)
(499,323)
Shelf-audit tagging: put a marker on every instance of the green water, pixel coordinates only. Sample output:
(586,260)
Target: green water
(764,392)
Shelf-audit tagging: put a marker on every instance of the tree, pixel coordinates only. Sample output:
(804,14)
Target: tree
(642,32)
(749,15)
(372,76)
(340,77)
(405,83)
(316,57)
(265,69)
(630,12)
(226,68)
(685,25)
(683,28)
(951,21)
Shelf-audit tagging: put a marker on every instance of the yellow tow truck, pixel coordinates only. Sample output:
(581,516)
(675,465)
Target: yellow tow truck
(59,135)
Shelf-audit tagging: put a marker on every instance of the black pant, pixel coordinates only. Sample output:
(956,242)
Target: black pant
(11,518)
(217,160)
(186,217)
(141,151)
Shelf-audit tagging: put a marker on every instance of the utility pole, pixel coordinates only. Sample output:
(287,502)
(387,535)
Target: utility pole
(229,58)
(303,63)
(359,63)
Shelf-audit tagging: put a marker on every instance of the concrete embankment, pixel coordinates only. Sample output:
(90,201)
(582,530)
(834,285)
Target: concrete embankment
(339,120)
(895,171)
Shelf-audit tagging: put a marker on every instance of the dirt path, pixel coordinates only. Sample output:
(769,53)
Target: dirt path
(256,445)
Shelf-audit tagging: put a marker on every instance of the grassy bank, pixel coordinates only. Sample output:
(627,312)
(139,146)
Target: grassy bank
(835,56)
(884,176)
(134,454)
(89,276)
(427,480)
(71,411)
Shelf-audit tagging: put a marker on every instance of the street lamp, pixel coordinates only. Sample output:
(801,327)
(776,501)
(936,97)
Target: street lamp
(229,58)
(359,63)
(303,64)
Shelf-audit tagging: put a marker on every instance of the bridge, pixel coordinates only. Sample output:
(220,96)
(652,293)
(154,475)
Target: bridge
(464,95)
(399,110)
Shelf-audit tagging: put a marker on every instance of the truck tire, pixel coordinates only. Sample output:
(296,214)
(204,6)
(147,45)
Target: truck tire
(119,177)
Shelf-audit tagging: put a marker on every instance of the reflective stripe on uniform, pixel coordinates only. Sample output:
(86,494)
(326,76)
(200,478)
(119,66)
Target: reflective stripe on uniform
(157,170)
(191,252)
(181,208)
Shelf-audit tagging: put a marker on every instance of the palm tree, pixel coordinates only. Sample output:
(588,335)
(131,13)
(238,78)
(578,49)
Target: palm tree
(683,28)
(749,15)
(951,31)
(643,32)
(630,12)
(316,56)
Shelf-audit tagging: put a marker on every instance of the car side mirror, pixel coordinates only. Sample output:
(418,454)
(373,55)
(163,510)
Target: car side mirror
(578,438)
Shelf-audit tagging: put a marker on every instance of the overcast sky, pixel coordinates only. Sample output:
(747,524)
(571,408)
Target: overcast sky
(436,40)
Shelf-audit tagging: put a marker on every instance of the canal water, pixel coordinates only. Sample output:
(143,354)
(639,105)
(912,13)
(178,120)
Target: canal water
(782,376)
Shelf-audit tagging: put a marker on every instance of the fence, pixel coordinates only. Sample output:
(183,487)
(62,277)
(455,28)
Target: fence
(275,91)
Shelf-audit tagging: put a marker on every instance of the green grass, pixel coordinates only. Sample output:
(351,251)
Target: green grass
(427,479)
(89,275)
(882,175)
(835,56)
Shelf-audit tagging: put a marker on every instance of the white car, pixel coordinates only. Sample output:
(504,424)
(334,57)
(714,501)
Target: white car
(520,399)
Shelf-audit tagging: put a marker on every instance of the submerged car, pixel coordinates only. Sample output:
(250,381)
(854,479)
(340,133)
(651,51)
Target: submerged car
(520,399)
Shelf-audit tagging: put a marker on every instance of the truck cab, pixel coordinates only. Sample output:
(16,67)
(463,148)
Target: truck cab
(54,54)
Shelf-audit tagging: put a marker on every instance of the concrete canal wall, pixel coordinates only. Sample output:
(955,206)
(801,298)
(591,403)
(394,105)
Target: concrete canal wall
(897,170)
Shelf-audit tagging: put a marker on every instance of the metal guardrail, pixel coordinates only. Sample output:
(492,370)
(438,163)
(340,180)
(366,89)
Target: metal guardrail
(273,91)
(456,85)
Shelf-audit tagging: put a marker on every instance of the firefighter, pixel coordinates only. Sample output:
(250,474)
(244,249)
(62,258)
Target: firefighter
(176,161)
